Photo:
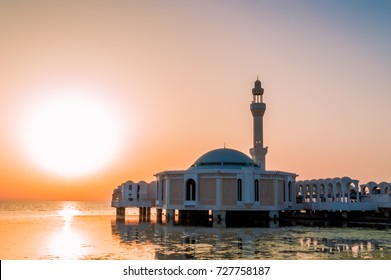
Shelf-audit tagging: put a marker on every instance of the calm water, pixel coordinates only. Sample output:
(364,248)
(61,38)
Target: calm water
(89,230)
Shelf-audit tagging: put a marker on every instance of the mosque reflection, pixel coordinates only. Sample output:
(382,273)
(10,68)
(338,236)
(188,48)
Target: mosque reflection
(268,241)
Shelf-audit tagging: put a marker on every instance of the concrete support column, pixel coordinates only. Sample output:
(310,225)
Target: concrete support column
(120,213)
(170,214)
(273,215)
(170,221)
(274,223)
(219,216)
(141,213)
(181,216)
(148,213)
(159,214)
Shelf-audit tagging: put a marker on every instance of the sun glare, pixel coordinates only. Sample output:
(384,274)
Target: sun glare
(71,135)
(68,212)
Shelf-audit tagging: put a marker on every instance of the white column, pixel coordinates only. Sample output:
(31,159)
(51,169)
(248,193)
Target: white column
(317,194)
(288,192)
(170,214)
(310,189)
(248,187)
(275,187)
(356,187)
(168,193)
(219,193)
(348,195)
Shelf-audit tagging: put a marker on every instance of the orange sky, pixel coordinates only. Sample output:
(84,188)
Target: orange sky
(178,76)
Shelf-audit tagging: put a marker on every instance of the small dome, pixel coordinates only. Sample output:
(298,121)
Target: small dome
(227,158)
(257,90)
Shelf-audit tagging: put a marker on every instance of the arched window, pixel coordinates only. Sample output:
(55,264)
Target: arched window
(366,190)
(190,190)
(239,195)
(299,194)
(256,190)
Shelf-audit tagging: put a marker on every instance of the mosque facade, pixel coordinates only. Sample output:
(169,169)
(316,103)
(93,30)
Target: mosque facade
(224,181)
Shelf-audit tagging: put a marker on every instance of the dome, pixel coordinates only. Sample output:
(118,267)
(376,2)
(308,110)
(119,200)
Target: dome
(257,90)
(228,158)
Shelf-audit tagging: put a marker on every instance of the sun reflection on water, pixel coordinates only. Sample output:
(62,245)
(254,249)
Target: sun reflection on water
(68,212)
(68,242)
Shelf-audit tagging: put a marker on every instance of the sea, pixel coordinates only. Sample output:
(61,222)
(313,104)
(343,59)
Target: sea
(89,230)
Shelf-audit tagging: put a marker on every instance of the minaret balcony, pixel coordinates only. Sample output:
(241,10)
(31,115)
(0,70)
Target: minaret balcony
(258,109)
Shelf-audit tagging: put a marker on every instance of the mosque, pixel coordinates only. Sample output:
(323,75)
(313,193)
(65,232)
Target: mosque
(226,183)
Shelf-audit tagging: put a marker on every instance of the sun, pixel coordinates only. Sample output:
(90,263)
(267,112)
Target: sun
(71,134)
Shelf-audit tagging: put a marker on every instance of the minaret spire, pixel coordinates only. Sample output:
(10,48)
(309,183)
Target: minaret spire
(258,108)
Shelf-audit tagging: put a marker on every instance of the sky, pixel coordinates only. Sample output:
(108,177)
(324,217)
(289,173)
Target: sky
(95,93)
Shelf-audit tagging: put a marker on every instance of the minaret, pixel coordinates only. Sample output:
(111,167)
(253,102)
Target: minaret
(258,152)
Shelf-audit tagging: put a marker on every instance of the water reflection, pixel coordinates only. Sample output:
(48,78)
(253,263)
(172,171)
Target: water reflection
(68,212)
(67,243)
(173,241)
(348,247)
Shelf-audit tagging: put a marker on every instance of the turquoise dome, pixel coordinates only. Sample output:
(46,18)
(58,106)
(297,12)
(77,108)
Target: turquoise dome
(227,158)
